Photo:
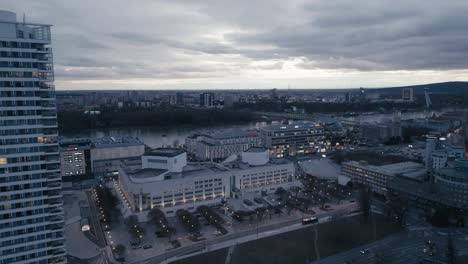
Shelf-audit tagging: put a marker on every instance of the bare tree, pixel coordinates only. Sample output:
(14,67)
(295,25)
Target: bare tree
(119,249)
(365,202)
(451,251)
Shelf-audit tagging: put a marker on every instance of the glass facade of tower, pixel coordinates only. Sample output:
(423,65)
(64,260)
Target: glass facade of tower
(31,206)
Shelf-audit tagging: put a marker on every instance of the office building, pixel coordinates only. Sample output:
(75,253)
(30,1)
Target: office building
(206,99)
(75,159)
(83,158)
(31,206)
(407,94)
(377,177)
(380,132)
(220,144)
(162,178)
(180,99)
(293,139)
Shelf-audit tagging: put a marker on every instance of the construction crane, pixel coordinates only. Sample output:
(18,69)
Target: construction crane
(428,99)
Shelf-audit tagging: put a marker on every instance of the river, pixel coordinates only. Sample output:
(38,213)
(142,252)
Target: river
(159,137)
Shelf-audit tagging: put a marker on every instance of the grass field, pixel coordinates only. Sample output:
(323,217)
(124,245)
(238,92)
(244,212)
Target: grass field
(298,247)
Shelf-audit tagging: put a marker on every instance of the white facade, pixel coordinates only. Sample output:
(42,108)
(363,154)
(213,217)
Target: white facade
(256,156)
(197,184)
(220,145)
(174,163)
(31,206)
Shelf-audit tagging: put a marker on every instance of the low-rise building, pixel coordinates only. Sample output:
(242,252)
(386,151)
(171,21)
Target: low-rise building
(380,132)
(454,181)
(107,152)
(75,159)
(293,139)
(82,158)
(220,144)
(377,177)
(162,178)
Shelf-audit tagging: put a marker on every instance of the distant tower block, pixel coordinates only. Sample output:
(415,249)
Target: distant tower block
(407,94)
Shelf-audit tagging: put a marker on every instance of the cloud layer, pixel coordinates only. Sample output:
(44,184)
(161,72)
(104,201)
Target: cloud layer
(252,44)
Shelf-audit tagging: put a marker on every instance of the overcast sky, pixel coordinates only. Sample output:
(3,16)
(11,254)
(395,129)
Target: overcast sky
(149,44)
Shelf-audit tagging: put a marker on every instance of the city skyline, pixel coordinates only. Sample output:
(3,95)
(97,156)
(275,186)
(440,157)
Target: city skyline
(261,44)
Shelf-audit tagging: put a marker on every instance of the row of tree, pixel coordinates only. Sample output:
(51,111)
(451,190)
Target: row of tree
(107,203)
(74,120)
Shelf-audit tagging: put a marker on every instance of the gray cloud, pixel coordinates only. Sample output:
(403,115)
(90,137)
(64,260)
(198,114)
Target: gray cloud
(180,39)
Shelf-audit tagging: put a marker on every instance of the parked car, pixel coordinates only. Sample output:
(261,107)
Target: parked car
(136,247)
(248,202)
(147,246)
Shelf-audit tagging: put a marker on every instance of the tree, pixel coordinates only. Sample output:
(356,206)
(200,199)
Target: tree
(119,249)
(397,206)
(190,223)
(106,203)
(260,212)
(280,191)
(210,215)
(365,202)
(156,217)
(451,251)
(134,227)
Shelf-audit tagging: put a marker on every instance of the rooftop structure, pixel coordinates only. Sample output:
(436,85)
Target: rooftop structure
(112,142)
(165,152)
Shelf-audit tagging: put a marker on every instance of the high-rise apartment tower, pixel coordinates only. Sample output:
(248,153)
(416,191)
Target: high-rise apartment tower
(31,206)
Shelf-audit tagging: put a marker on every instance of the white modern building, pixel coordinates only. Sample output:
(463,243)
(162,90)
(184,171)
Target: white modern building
(220,144)
(31,206)
(162,178)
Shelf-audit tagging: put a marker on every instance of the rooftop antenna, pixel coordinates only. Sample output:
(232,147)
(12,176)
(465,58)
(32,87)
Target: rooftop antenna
(24,18)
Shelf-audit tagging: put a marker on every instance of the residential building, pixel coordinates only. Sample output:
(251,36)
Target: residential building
(31,206)
(162,178)
(180,99)
(221,144)
(206,99)
(293,139)
(377,177)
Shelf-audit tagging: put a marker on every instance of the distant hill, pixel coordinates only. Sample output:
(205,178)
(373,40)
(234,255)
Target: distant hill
(434,88)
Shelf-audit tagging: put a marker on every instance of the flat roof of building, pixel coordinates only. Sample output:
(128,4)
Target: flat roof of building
(408,168)
(256,149)
(225,134)
(165,152)
(298,125)
(112,142)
